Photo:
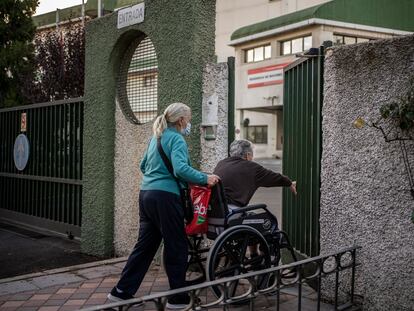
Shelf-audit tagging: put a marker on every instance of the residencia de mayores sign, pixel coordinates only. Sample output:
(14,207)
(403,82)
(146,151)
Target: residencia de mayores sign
(130,16)
(265,76)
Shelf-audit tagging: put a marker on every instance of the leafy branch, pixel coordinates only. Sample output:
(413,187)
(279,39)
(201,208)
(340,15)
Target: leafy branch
(387,135)
(396,123)
(400,115)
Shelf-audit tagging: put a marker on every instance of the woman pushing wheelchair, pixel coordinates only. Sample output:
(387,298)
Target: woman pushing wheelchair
(160,206)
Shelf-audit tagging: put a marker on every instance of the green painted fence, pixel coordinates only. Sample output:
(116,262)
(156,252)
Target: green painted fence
(302,150)
(47,193)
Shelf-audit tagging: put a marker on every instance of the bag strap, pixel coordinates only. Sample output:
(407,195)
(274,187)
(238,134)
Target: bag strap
(166,161)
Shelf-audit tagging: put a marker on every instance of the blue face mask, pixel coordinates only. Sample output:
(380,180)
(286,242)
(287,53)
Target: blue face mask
(187,130)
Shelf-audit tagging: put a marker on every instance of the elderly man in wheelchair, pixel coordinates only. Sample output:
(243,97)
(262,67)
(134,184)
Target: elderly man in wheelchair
(241,177)
(241,238)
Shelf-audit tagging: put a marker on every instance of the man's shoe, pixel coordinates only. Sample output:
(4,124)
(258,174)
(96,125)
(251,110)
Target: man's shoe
(115,295)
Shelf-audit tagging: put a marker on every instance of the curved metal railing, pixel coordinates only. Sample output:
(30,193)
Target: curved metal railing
(279,278)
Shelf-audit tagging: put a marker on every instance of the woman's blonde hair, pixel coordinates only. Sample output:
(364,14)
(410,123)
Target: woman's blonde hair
(170,116)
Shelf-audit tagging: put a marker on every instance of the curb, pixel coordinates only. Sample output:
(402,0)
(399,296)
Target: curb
(65,269)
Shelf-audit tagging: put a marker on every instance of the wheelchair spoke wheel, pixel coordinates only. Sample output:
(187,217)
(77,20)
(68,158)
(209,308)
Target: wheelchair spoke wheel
(235,252)
(197,256)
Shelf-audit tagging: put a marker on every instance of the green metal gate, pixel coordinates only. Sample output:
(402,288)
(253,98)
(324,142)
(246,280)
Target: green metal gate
(302,105)
(47,193)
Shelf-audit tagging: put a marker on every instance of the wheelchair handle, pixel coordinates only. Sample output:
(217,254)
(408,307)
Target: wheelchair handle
(249,208)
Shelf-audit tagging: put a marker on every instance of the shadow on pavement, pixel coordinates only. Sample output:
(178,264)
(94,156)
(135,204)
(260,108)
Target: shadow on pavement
(23,251)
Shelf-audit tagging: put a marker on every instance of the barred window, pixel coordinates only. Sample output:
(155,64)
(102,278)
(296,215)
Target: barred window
(138,82)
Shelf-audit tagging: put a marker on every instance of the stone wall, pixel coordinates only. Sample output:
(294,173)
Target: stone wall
(365,198)
(215,90)
(131,142)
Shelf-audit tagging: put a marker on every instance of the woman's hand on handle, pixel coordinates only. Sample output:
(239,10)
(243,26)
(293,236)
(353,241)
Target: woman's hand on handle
(212,180)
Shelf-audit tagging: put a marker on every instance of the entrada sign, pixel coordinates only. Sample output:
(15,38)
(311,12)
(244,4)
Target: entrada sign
(130,16)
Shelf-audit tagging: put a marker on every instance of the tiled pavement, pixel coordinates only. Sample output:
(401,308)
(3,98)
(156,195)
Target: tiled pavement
(86,285)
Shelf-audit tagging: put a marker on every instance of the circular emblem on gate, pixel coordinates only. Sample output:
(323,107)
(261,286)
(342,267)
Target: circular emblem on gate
(21,152)
(267,224)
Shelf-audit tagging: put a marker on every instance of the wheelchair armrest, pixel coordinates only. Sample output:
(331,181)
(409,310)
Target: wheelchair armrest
(249,208)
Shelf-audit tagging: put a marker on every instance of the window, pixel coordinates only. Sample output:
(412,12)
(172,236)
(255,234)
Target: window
(296,45)
(349,40)
(249,56)
(268,52)
(258,54)
(137,88)
(338,40)
(286,50)
(341,39)
(257,134)
(360,40)
(307,43)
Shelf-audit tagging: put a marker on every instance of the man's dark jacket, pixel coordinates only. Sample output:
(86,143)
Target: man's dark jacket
(241,178)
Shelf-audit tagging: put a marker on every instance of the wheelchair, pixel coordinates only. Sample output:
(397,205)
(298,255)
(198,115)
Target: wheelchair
(226,249)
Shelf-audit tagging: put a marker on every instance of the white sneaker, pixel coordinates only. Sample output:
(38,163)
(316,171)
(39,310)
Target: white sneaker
(176,306)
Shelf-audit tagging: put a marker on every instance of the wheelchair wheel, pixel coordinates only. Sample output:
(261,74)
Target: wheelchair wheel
(197,256)
(230,256)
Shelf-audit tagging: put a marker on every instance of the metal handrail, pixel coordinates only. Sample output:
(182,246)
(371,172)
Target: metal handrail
(43,178)
(44,104)
(253,291)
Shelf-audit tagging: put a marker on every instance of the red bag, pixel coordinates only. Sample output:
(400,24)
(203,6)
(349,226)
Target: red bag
(200,197)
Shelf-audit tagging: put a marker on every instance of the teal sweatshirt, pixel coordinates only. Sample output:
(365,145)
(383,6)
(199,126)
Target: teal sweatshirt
(156,174)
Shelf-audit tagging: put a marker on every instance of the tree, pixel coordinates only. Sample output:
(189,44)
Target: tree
(75,61)
(58,65)
(16,48)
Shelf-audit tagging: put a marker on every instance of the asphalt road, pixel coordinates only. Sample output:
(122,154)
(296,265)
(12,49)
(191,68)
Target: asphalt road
(272,197)
(23,251)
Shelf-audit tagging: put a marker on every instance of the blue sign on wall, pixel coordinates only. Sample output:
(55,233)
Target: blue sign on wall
(21,152)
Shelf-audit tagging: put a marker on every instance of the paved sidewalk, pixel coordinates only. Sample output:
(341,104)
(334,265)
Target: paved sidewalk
(86,285)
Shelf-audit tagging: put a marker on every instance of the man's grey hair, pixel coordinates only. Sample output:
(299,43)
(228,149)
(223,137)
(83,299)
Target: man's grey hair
(240,148)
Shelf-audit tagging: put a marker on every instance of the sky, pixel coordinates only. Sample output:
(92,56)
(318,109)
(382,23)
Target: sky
(51,5)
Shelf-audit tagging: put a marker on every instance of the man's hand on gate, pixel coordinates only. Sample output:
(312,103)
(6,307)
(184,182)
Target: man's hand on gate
(293,188)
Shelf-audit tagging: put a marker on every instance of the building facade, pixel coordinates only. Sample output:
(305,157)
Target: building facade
(263,49)
(233,14)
